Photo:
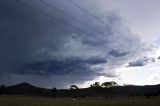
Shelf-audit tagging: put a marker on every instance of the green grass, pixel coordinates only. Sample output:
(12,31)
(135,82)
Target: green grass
(42,101)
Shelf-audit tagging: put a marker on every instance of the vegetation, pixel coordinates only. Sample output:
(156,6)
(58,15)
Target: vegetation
(95,85)
(41,101)
(106,90)
(74,90)
(104,85)
(105,94)
(109,84)
(74,87)
(54,92)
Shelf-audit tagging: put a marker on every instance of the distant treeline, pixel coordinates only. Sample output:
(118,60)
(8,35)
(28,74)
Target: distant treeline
(106,89)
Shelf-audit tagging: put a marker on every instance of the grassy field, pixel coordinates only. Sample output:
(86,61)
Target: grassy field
(42,101)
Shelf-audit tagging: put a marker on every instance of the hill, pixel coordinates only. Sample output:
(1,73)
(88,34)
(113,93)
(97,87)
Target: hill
(28,89)
(24,89)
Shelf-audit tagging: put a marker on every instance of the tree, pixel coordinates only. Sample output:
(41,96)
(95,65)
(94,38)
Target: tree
(54,92)
(2,89)
(109,84)
(75,91)
(126,85)
(95,85)
(74,87)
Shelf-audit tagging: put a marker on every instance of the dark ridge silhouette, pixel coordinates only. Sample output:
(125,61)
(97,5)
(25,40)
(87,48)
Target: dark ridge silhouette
(23,85)
(128,91)
(24,89)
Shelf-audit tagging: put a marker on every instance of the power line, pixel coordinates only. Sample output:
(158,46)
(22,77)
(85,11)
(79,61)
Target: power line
(55,18)
(95,17)
(58,10)
(58,20)
(49,5)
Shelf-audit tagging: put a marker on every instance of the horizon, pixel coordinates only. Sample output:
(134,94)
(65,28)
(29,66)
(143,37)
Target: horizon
(71,42)
(69,86)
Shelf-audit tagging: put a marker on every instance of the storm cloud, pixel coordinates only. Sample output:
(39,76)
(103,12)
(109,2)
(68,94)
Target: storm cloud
(39,42)
(117,53)
(141,62)
(62,67)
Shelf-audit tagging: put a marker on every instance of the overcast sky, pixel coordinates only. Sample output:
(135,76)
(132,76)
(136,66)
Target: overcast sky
(56,43)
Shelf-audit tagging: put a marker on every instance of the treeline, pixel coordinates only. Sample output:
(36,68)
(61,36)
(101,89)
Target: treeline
(107,90)
(112,89)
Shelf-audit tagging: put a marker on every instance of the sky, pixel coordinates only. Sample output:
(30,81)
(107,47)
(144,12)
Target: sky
(57,43)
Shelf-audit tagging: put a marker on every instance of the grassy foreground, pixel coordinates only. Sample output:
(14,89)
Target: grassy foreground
(41,101)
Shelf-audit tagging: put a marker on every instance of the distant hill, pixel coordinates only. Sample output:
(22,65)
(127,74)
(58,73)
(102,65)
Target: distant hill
(24,89)
(28,89)
(23,85)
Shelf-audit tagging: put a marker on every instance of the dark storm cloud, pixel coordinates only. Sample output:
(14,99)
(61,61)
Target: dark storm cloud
(24,33)
(141,62)
(117,53)
(63,67)
(34,44)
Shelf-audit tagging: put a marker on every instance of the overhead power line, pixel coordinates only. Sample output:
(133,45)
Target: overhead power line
(95,17)
(83,23)
(60,21)
(56,19)
(68,15)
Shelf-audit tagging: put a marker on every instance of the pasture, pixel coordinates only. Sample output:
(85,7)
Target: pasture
(45,101)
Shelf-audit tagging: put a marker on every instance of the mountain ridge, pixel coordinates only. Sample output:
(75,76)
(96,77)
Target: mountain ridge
(29,89)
